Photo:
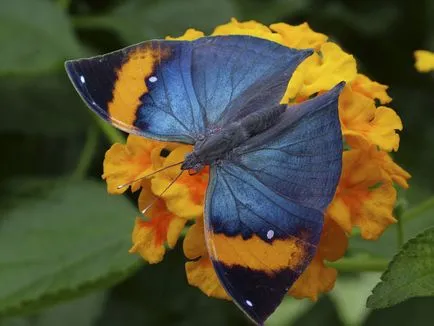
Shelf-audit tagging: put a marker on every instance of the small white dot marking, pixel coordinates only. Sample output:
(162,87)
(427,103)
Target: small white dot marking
(82,79)
(249,303)
(153,79)
(270,234)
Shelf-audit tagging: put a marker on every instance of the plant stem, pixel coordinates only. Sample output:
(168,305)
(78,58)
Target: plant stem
(418,210)
(87,153)
(358,264)
(112,134)
(400,232)
(399,212)
(90,22)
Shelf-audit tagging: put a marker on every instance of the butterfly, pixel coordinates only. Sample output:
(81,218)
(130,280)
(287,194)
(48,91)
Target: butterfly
(274,168)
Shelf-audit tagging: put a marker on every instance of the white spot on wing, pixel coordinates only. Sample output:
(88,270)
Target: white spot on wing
(249,303)
(82,79)
(153,79)
(270,234)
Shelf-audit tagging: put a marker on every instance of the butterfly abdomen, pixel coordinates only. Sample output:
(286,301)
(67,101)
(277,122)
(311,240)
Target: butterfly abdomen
(261,120)
(219,145)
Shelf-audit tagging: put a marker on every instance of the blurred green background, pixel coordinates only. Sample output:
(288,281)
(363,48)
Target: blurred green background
(64,240)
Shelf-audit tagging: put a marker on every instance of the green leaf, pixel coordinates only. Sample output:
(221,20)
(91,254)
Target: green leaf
(414,312)
(35,36)
(79,312)
(70,239)
(410,274)
(139,20)
(43,104)
(160,295)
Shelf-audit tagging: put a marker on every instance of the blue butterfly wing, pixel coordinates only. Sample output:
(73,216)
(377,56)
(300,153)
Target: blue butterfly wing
(179,90)
(300,157)
(235,75)
(262,228)
(145,89)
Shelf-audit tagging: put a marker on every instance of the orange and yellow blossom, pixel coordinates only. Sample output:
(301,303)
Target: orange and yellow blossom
(161,227)
(365,195)
(125,163)
(200,271)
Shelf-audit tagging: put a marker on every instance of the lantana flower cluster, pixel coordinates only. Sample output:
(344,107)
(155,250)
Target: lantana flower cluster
(365,196)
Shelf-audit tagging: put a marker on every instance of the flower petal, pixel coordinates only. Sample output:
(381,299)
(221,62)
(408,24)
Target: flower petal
(201,274)
(361,119)
(189,35)
(299,36)
(150,236)
(385,124)
(317,278)
(321,72)
(392,171)
(371,89)
(144,243)
(424,60)
(367,193)
(194,242)
(253,28)
(186,196)
(340,213)
(375,214)
(125,163)
(334,241)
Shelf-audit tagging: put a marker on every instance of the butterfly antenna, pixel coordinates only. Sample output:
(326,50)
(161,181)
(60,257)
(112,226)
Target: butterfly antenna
(149,175)
(162,193)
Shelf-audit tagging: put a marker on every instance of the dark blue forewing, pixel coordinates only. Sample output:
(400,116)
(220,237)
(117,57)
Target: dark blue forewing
(234,76)
(144,89)
(177,90)
(265,207)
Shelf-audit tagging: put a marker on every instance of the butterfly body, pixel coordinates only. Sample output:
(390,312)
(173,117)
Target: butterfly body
(273,168)
(223,142)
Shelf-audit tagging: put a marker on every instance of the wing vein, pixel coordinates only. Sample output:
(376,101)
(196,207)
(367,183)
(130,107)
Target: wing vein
(283,208)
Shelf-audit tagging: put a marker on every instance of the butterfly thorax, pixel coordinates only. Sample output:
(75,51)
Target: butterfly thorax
(221,142)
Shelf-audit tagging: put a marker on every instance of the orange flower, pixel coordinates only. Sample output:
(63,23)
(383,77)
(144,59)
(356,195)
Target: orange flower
(364,198)
(363,85)
(317,277)
(321,71)
(163,227)
(125,163)
(299,36)
(189,35)
(200,271)
(361,119)
(185,197)
(391,171)
(365,195)
(234,27)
